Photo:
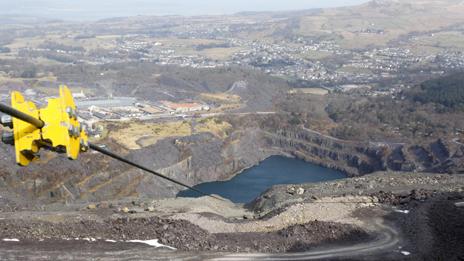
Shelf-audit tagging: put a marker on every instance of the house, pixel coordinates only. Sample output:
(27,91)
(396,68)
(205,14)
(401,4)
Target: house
(185,107)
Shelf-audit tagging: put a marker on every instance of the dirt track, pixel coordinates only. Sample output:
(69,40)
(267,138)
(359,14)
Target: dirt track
(123,251)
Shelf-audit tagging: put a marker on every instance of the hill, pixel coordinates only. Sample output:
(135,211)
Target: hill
(447,91)
(380,22)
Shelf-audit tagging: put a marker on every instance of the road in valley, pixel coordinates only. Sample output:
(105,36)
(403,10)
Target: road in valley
(387,240)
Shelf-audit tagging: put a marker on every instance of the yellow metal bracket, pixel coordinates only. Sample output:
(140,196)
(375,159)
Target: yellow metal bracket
(61,132)
(26,136)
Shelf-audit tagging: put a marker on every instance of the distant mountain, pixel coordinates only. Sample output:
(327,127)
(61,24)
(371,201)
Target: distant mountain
(380,21)
(94,10)
(23,19)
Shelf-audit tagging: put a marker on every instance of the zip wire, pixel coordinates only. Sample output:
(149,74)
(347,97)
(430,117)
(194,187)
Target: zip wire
(40,124)
(114,156)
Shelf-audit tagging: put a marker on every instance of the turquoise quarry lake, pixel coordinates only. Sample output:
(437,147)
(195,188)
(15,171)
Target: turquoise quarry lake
(275,170)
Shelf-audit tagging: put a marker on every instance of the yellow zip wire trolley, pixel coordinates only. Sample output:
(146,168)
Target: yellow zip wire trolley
(57,129)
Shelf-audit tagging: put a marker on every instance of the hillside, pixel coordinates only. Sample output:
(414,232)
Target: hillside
(381,22)
(447,91)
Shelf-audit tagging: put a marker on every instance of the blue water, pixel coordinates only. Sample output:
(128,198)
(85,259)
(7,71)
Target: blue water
(275,170)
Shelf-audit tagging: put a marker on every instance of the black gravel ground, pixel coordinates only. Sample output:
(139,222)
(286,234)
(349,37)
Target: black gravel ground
(433,230)
(184,235)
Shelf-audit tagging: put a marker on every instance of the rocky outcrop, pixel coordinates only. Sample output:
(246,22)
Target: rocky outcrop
(353,158)
(192,160)
(358,158)
(389,187)
(204,158)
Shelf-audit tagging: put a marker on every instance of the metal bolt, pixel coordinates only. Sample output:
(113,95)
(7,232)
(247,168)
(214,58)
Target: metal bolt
(70,130)
(71,112)
(76,132)
(8,138)
(7,121)
(84,145)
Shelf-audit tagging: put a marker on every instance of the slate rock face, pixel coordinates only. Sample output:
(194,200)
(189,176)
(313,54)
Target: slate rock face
(203,158)
(360,158)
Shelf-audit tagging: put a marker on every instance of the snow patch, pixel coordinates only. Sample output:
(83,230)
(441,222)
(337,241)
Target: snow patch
(153,242)
(10,240)
(402,211)
(110,240)
(405,253)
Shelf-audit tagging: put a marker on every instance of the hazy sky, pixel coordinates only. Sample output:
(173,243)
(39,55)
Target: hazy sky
(97,9)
